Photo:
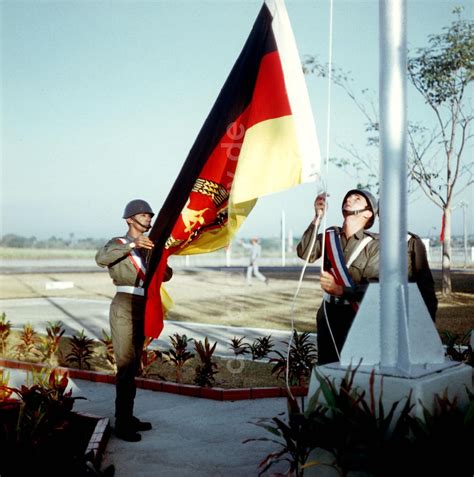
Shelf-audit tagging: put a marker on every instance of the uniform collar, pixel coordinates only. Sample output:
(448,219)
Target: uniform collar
(359,235)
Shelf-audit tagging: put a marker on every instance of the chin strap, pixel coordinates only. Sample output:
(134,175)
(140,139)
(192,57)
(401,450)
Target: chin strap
(146,227)
(347,213)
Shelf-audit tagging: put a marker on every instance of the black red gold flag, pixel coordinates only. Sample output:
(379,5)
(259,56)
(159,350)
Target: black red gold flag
(259,138)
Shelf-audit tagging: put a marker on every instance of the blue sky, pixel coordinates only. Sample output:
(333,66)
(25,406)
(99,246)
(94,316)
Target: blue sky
(102,100)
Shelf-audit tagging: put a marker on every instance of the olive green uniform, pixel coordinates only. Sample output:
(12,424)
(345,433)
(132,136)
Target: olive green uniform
(420,273)
(127,312)
(340,313)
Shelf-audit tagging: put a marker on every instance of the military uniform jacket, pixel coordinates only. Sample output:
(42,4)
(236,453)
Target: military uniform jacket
(115,256)
(363,270)
(420,273)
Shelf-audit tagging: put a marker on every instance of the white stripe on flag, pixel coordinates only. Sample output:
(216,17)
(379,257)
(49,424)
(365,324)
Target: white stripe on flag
(297,91)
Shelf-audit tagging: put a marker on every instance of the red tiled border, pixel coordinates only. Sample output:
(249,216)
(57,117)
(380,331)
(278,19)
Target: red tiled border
(99,438)
(219,394)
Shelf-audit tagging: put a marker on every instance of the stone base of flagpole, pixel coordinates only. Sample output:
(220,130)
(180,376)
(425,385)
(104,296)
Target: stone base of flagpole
(421,366)
(453,380)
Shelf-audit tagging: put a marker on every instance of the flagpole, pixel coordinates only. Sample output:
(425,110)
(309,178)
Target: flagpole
(393,311)
(393,218)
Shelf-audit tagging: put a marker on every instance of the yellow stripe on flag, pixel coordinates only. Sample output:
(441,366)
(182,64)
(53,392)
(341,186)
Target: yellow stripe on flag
(166,301)
(269,161)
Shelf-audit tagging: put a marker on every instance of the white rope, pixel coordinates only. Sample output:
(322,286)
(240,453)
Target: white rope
(328,125)
(293,302)
(328,136)
(316,225)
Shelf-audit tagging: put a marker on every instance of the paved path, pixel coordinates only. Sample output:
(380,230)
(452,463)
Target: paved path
(191,437)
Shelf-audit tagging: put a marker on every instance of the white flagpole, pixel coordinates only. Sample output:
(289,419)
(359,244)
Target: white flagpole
(393,192)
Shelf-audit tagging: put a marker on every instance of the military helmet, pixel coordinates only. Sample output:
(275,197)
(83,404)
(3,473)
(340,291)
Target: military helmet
(373,204)
(135,207)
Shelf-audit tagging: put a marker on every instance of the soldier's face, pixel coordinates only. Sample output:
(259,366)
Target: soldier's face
(355,202)
(144,219)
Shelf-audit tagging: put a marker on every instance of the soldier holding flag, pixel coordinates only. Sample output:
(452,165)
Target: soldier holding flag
(351,262)
(126,258)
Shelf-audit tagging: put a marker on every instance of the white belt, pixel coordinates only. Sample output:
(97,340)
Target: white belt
(335,300)
(132,290)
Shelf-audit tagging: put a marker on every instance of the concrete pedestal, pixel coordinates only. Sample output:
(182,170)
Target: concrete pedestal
(455,379)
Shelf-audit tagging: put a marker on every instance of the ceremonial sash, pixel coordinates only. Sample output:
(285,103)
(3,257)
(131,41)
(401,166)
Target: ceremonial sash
(137,262)
(339,267)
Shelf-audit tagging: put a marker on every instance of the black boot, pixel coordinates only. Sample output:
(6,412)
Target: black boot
(127,430)
(141,425)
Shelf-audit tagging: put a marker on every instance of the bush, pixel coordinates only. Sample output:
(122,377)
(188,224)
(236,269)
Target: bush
(360,435)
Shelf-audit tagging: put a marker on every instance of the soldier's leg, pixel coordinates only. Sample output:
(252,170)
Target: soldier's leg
(333,336)
(121,325)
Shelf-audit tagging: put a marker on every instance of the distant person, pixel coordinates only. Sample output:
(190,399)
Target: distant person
(126,258)
(255,253)
(420,273)
(351,255)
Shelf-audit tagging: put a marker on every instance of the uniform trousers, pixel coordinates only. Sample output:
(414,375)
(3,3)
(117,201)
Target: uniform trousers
(340,319)
(127,313)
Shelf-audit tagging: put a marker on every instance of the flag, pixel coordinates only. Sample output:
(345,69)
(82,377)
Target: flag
(259,138)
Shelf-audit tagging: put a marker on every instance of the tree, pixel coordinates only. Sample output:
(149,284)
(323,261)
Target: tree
(442,72)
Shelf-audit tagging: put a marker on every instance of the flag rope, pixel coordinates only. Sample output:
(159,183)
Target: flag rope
(318,219)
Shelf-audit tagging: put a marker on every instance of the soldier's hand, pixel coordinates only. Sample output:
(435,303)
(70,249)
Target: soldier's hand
(320,205)
(329,285)
(143,241)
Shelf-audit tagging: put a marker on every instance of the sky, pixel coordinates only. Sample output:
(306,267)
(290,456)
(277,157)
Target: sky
(101,102)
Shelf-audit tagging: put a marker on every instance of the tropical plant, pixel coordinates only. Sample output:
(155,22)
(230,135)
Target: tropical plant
(301,358)
(208,368)
(39,432)
(43,406)
(239,347)
(294,439)
(109,349)
(5,391)
(458,348)
(359,432)
(358,435)
(149,356)
(178,355)
(50,349)
(29,342)
(446,431)
(261,346)
(5,328)
(82,350)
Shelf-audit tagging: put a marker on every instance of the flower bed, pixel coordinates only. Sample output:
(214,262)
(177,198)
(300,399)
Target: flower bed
(217,393)
(41,434)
